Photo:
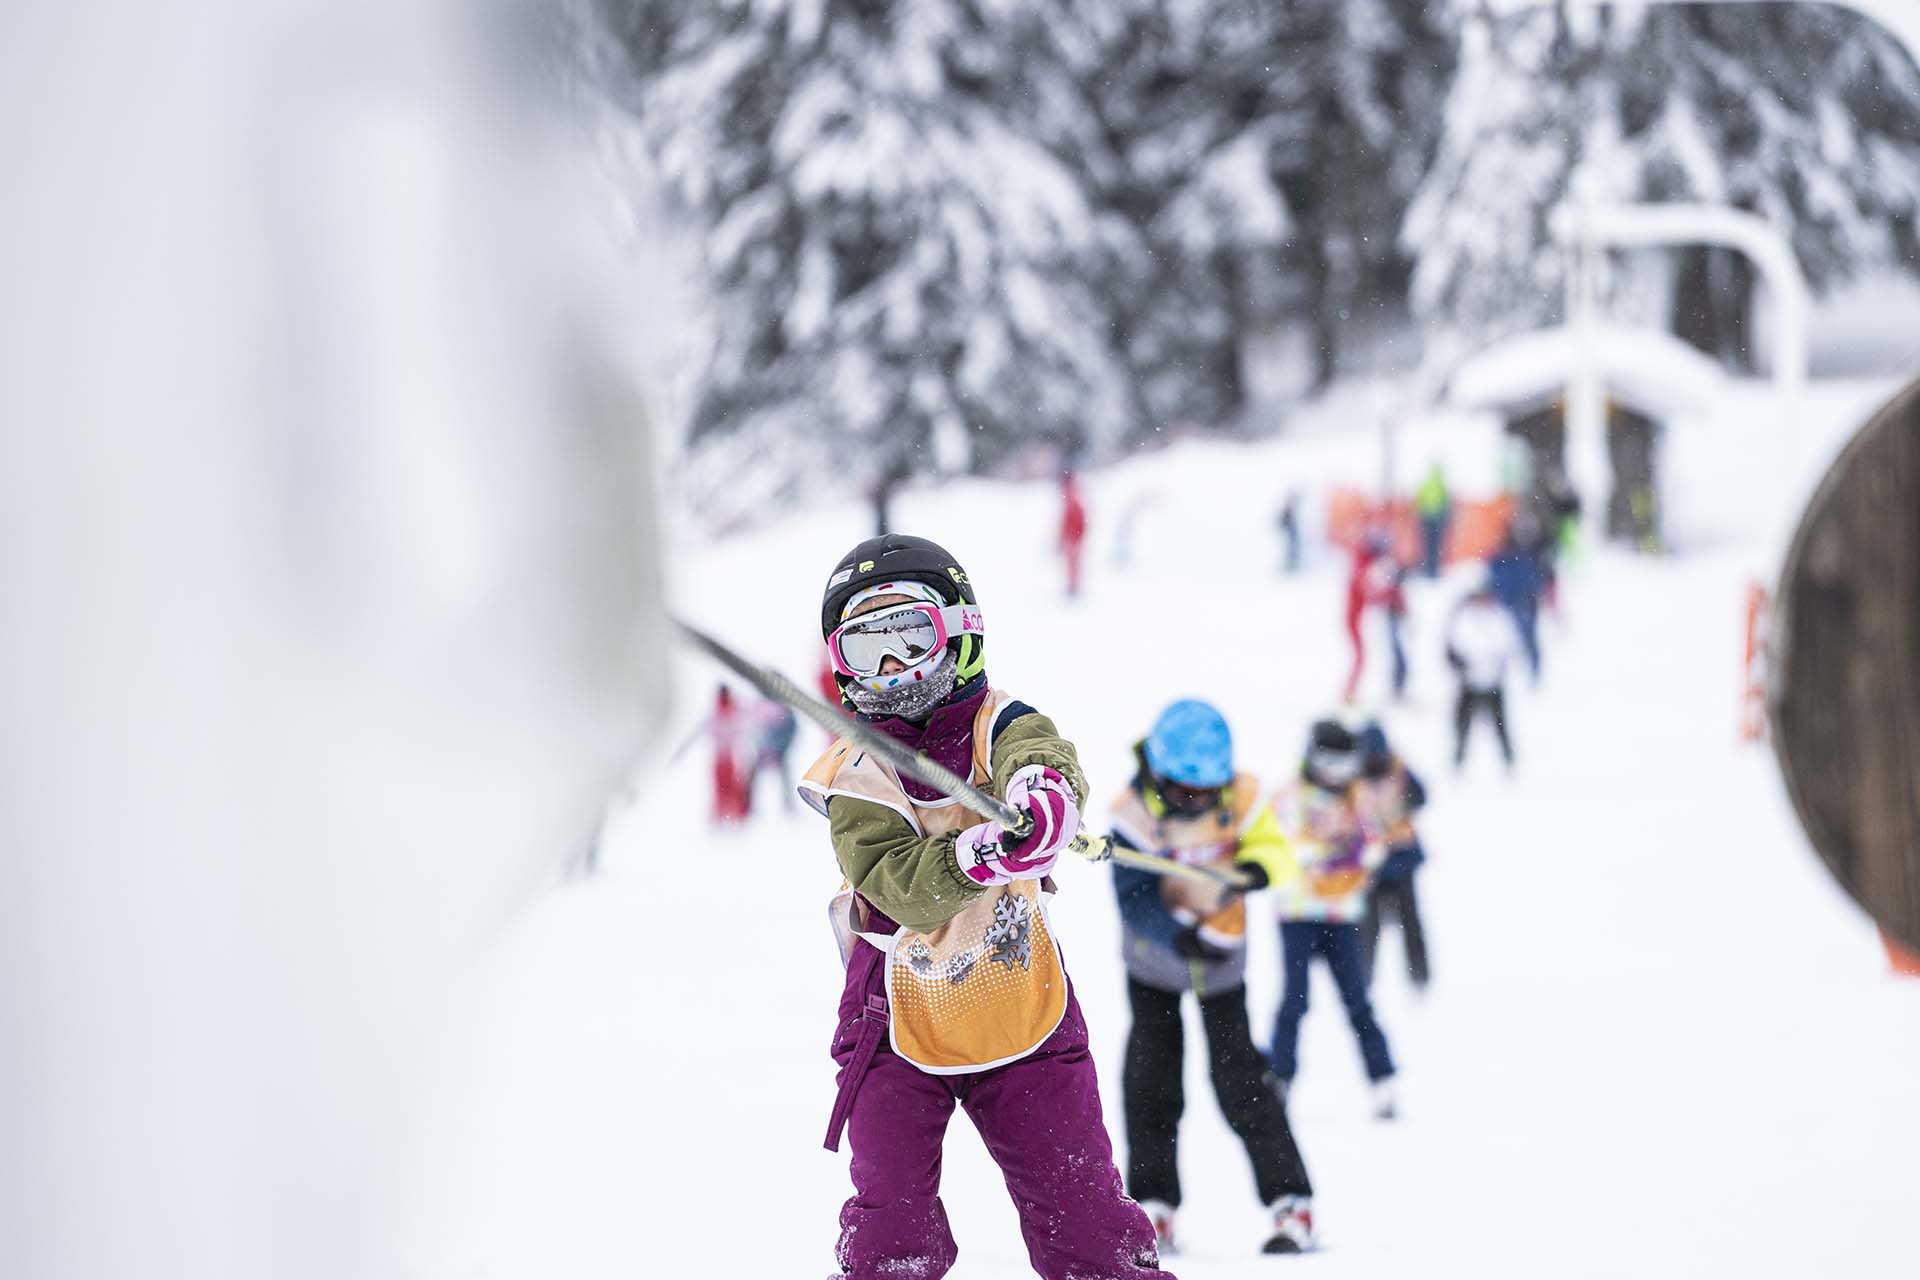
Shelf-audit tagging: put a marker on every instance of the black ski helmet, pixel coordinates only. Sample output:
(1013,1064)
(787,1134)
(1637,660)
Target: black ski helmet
(890,558)
(1329,742)
(1330,736)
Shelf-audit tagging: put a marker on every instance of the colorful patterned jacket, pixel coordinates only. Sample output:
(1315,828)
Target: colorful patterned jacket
(1336,853)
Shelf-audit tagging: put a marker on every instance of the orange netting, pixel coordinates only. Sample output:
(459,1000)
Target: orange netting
(1904,962)
(1474,534)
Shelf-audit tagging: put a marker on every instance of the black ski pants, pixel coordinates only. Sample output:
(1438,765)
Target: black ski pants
(1395,898)
(1150,1085)
(1468,707)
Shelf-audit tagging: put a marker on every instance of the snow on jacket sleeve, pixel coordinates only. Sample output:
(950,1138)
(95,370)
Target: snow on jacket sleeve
(916,879)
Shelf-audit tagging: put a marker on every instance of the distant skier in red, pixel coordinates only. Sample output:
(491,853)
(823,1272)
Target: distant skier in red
(733,737)
(1375,582)
(1073,529)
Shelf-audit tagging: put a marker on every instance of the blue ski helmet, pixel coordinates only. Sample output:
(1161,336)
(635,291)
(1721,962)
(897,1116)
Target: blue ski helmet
(1191,745)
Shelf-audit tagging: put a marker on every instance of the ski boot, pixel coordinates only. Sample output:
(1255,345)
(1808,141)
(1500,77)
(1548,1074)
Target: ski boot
(1292,1226)
(1160,1213)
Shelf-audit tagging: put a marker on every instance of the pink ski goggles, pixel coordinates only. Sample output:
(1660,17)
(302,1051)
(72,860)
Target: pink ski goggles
(907,632)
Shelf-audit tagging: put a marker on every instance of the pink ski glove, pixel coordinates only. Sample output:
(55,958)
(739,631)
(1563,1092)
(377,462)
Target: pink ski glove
(1049,798)
(988,855)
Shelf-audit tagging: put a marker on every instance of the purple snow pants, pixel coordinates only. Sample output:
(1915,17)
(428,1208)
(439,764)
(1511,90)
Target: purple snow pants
(1040,1119)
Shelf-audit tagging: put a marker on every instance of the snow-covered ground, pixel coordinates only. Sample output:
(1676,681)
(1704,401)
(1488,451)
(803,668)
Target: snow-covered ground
(1660,1041)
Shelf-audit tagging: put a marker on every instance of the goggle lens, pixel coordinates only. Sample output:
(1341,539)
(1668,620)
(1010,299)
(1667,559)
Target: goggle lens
(1333,766)
(1188,802)
(907,633)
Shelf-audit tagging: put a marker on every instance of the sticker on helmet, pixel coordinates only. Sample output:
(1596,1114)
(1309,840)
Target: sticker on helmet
(844,575)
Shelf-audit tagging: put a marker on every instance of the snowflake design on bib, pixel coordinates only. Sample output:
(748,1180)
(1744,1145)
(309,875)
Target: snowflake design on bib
(961,965)
(1011,933)
(920,962)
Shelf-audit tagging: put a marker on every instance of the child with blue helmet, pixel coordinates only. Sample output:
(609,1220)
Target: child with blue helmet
(1188,803)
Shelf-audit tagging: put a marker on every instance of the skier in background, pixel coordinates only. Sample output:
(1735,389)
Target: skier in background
(1434,505)
(1482,640)
(1387,795)
(1073,529)
(1320,910)
(955,993)
(1374,582)
(1290,533)
(1518,578)
(1188,803)
(778,727)
(885,485)
(1564,505)
(733,745)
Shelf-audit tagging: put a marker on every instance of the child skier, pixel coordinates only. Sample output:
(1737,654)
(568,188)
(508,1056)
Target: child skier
(1320,911)
(732,779)
(1073,529)
(1482,641)
(1374,582)
(777,728)
(1186,802)
(955,990)
(1388,794)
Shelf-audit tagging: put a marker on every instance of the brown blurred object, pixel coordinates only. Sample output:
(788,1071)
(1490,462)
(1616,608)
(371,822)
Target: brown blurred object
(1845,655)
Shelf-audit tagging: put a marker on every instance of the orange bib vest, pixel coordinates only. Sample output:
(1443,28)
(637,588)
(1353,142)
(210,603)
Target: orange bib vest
(1210,840)
(987,987)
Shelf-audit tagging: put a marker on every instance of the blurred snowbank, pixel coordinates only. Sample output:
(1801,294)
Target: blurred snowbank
(332,610)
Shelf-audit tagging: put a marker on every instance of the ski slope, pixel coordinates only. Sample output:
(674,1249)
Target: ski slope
(1660,1041)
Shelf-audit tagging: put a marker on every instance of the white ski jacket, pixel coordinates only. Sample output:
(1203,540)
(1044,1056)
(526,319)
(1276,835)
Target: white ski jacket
(1483,638)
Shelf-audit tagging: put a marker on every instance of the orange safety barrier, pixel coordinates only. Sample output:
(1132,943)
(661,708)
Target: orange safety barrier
(1904,962)
(1475,532)
(1753,668)
(1478,528)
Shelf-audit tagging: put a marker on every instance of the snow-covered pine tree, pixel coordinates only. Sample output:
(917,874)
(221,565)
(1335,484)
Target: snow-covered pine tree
(1807,115)
(1202,122)
(1370,79)
(1812,114)
(1485,262)
(895,263)
(1170,133)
